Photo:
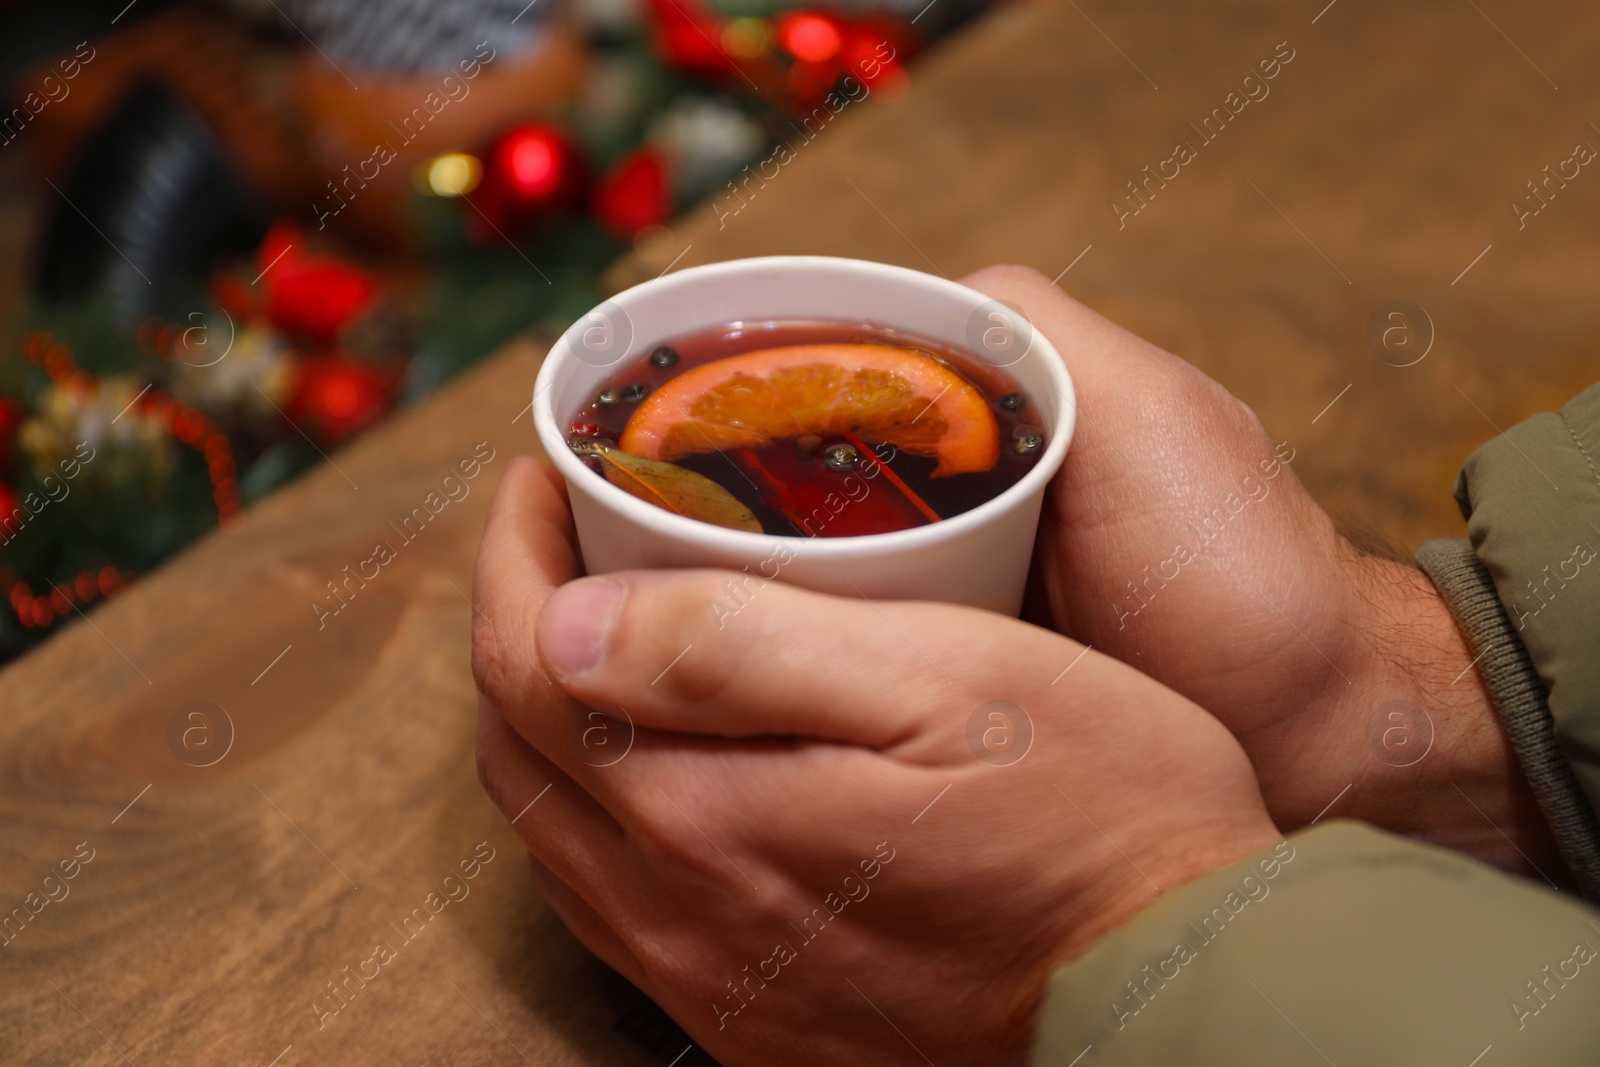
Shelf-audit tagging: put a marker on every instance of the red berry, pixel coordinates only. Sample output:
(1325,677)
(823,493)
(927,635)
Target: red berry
(585,429)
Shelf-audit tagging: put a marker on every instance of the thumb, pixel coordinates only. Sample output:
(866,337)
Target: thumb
(787,662)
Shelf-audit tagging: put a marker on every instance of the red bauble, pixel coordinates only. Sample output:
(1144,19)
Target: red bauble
(532,176)
(311,298)
(334,396)
(832,55)
(809,36)
(316,298)
(635,195)
(689,37)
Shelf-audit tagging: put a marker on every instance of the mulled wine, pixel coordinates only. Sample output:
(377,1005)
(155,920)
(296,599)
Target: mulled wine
(809,429)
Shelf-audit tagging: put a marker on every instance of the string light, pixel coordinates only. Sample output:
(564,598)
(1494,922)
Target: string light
(453,174)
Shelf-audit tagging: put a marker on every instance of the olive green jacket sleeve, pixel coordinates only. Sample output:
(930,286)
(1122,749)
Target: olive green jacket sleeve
(1342,945)
(1526,590)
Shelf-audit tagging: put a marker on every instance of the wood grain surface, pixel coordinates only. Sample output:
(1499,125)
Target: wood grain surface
(222,904)
(321,805)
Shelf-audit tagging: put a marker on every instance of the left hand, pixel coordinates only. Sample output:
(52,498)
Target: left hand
(1177,538)
(801,854)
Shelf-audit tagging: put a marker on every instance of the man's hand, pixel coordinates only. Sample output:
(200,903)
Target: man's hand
(805,829)
(1178,539)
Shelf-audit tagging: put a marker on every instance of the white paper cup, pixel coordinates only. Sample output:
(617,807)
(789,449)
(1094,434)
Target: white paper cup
(979,558)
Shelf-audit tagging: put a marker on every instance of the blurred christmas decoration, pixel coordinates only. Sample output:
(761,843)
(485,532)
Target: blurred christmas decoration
(334,396)
(705,139)
(308,297)
(150,204)
(273,223)
(99,418)
(532,178)
(408,36)
(635,195)
(42,610)
(76,424)
(452,174)
(103,474)
(241,376)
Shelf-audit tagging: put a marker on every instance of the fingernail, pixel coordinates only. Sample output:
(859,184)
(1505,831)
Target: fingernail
(577,624)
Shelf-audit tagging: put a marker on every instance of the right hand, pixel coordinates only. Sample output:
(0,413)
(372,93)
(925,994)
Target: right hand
(1177,538)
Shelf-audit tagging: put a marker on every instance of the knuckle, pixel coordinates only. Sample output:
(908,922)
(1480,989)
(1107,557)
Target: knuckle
(1007,275)
(665,962)
(1193,390)
(703,676)
(667,838)
(683,654)
(664,835)
(488,659)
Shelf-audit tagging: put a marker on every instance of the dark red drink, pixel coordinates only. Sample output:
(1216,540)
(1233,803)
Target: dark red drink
(819,429)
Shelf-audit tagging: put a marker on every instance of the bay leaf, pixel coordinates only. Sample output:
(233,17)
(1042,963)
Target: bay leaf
(673,488)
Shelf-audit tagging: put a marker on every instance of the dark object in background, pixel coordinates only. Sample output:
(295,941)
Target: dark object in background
(145,212)
(411,36)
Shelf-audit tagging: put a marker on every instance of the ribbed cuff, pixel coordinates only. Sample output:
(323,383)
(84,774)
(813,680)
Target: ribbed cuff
(1519,696)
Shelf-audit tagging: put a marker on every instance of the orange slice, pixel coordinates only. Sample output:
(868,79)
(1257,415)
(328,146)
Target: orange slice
(885,395)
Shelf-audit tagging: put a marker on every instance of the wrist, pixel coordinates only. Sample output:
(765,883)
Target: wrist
(1427,753)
